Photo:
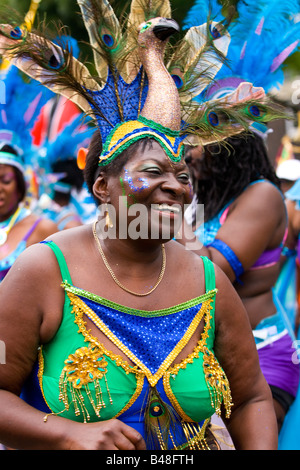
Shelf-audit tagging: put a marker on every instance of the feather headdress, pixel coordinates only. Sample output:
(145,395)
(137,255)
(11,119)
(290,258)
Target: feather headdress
(20,104)
(64,148)
(144,87)
(264,34)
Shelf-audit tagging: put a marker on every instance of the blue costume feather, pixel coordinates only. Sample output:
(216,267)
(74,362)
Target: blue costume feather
(264,34)
(200,11)
(65,146)
(22,103)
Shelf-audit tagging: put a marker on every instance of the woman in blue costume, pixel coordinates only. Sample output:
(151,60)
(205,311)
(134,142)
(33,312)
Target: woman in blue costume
(125,340)
(245,218)
(19,227)
(244,231)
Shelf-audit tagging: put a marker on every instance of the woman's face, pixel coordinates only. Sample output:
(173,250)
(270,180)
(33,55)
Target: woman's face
(153,192)
(9,193)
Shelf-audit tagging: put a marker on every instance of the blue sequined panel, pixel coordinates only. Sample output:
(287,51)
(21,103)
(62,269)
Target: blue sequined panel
(141,334)
(106,102)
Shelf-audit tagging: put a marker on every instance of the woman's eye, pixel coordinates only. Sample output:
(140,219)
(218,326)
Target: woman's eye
(6,181)
(184,178)
(155,170)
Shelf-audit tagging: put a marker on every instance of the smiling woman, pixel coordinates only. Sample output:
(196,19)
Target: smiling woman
(128,343)
(149,193)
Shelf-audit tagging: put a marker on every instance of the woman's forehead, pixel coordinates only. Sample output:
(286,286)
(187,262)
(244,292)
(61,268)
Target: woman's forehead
(4,169)
(152,151)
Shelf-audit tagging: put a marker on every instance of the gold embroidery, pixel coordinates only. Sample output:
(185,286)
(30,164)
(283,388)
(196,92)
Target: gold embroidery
(217,383)
(215,377)
(140,381)
(86,366)
(188,360)
(80,308)
(195,436)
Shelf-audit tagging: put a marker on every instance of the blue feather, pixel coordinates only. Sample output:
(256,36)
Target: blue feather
(260,34)
(201,11)
(23,101)
(67,143)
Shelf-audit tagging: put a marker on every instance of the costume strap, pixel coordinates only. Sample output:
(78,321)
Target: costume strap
(230,256)
(31,230)
(66,277)
(210,279)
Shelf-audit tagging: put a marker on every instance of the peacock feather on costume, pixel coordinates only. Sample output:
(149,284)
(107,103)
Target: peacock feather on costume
(141,79)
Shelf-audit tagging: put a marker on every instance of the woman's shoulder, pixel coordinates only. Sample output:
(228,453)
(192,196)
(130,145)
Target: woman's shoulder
(261,196)
(263,187)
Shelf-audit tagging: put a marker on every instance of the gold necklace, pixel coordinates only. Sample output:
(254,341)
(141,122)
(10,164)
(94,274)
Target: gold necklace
(162,271)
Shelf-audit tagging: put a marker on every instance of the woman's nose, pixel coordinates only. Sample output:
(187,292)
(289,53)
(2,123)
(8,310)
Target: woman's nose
(172,184)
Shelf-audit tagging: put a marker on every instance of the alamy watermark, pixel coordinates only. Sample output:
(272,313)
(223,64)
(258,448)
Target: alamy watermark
(138,221)
(295,97)
(2,92)
(296,353)
(2,353)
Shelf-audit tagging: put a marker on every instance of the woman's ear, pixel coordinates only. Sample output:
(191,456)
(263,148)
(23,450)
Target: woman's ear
(100,189)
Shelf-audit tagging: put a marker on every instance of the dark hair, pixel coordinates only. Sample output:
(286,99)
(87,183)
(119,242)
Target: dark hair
(21,183)
(115,166)
(227,168)
(74,175)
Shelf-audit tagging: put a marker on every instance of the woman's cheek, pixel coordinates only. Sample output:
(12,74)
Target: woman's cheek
(142,182)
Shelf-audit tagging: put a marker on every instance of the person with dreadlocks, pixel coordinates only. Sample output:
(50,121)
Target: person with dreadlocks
(245,220)
(244,229)
(118,346)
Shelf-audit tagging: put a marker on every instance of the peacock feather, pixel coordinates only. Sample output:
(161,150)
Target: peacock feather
(263,35)
(140,74)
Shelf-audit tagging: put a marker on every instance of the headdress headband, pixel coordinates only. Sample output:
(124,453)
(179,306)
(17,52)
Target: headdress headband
(144,87)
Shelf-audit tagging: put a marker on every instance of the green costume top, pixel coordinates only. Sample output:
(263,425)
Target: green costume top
(82,380)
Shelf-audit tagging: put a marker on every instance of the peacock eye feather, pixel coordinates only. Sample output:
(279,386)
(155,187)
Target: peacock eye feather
(214,31)
(108,40)
(16,33)
(256,112)
(213,119)
(178,81)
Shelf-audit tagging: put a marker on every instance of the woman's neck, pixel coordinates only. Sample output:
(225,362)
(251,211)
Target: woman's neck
(8,215)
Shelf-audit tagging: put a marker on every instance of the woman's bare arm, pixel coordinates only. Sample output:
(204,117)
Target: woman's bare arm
(31,302)
(252,424)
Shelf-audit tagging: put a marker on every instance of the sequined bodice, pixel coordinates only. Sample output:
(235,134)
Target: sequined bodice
(82,380)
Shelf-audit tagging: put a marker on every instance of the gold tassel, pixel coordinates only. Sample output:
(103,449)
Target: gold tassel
(87,365)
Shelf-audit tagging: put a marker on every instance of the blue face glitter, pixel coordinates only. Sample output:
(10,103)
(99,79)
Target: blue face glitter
(132,186)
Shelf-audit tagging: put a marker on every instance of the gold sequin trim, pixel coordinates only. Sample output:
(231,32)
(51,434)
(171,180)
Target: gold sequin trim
(188,360)
(80,308)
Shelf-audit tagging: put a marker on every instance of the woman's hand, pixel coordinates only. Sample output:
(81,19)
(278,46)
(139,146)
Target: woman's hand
(106,435)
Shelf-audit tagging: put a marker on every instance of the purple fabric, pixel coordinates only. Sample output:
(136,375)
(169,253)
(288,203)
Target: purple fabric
(31,229)
(277,365)
(268,257)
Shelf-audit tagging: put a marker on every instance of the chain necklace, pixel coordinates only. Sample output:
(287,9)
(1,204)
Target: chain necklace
(161,275)
(5,230)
